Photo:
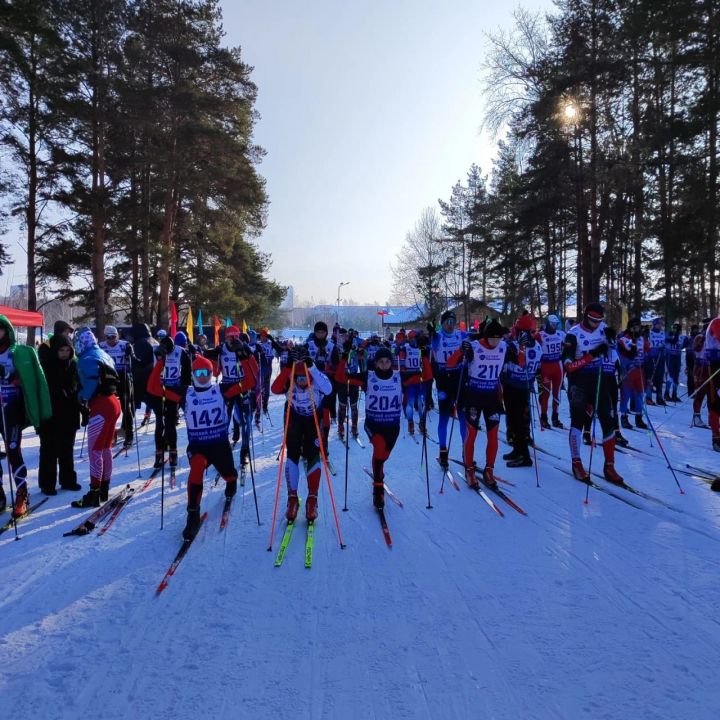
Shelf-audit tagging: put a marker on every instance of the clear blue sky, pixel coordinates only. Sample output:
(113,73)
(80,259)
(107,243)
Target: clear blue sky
(370,112)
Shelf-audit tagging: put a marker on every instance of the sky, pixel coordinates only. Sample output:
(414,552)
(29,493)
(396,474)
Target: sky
(370,112)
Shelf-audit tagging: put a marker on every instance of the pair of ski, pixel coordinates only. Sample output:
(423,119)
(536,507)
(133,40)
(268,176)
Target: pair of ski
(185,546)
(27,513)
(287,537)
(381,511)
(109,509)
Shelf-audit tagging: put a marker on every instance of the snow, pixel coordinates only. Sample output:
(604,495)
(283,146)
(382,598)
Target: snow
(601,611)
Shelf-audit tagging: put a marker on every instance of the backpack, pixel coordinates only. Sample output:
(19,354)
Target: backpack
(108,379)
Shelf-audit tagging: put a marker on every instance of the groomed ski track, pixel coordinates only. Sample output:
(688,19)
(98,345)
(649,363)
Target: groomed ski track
(597,611)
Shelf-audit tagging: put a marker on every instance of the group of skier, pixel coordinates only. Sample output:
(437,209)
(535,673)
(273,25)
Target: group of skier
(478,376)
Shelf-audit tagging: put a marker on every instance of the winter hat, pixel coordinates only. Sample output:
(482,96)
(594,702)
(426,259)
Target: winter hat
(201,363)
(84,340)
(252,335)
(447,315)
(232,331)
(554,320)
(320,326)
(181,339)
(161,333)
(632,322)
(111,331)
(524,322)
(494,329)
(61,326)
(594,310)
(383,352)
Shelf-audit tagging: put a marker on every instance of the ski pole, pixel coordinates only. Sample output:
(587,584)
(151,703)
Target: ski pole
(532,426)
(252,477)
(9,466)
(594,418)
(427,469)
(452,423)
(347,443)
(281,456)
(697,390)
(324,458)
(162,459)
(82,443)
(662,450)
(134,414)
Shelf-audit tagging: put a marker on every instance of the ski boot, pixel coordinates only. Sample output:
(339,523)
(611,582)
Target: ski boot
(22,501)
(311,508)
(354,432)
(192,525)
(716,444)
(236,434)
(173,458)
(230,488)
(587,440)
(470,478)
(611,474)
(293,503)
(556,422)
(659,400)
(104,491)
(522,460)
(244,457)
(3,500)
(697,422)
(488,477)
(444,458)
(640,424)
(649,401)
(257,420)
(715,487)
(544,424)
(620,439)
(341,432)
(421,426)
(667,397)
(411,428)
(90,499)
(145,420)
(159,459)
(512,455)
(675,397)
(71,484)
(625,422)
(379,494)
(579,472)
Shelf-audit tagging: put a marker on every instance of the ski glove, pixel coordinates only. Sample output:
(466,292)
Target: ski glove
(601,349)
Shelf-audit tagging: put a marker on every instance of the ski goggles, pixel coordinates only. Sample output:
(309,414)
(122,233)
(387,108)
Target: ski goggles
(201,373)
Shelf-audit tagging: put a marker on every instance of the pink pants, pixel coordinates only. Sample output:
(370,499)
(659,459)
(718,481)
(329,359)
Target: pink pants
(104,413)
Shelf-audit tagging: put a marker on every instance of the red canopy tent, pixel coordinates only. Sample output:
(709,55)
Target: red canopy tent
(22,318)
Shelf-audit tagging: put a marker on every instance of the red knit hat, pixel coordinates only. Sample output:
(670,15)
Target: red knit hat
(526,322)
(232,330)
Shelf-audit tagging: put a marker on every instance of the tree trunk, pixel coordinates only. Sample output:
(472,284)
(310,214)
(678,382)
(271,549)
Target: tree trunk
(31,216)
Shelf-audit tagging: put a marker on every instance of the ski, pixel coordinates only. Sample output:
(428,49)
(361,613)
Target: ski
(225,517)
(89,524)
(711,475)
(390,493)
(182,552)
(243,475)
(639,493)
(448,475)
(119,507)
(124,449)
(284,543)
(173,469)
(485,497)
(309,544)
(601,488)
(384,526)
(29,511)
(156,471)
(495,489)
(331,468)
(357,439)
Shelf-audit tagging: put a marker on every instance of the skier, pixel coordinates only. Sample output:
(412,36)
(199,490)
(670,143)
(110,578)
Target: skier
(57,434)
(632,349)
(675,343)
(167,384)
(610,384)
(447,380)
(414,366)
(701,375)
(269,349)
(518,384)
(655,363)
(302,433)
(205,413)
(326,356)
(551,373)
(25,400)
(383,409)
(584,346)
(712,356)
(348,394)
(144,350)
(122,355)
(98,390)
(485,359)
(690,359)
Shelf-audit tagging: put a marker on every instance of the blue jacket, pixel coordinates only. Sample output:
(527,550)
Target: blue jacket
(89,371)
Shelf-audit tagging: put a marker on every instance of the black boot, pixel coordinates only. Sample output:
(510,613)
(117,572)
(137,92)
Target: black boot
(640,423)
(659,400)
(620,439)
(512,455)
(625,422)
(556,422)
(172,459)
(230,488)
(523,460)
(192,525)
(675,397)
(379,495)
(90,499)
(104,491)
(587,440)
(544,424)
(159,459)
(444,455)
(3,500)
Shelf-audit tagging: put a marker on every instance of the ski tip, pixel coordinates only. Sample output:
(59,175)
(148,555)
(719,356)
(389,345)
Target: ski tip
(161,587)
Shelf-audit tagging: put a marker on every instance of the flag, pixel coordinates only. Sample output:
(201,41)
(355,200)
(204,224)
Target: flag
(189,326)
(228,321)
(244,327)
(173,320)
(200,322)
(623,316)
(216,325)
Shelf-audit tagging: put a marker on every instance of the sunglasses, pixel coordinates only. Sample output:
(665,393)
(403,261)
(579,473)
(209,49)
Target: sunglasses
(201,373)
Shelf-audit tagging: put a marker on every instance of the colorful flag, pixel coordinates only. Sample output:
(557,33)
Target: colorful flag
(173,320)
(228,321)
(189,326)
(244,326)
(200,322)
(216,325)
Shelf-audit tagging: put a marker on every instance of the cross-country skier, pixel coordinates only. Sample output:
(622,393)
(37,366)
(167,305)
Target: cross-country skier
(632,349)
(551,372)
(205,415)
(655,363)
(122,355)
(701,375)
(712,355)
(675,343)
(584,346)
(326,356)
(302,433)
(413,363)
(98,390)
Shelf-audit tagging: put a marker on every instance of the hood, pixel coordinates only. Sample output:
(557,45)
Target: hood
(9,329)
(60,341)
(60,327)
(181,339)
(140,331)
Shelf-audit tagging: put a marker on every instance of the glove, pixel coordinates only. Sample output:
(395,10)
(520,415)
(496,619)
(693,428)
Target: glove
(128,350)
(84,415)
(308,362)
(601,349)
(430,328)
(467,349)
(292,356)
(525,339)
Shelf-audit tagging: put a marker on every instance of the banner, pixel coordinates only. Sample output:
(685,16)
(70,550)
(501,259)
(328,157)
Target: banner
(189,326)
(173,320)
(216,326)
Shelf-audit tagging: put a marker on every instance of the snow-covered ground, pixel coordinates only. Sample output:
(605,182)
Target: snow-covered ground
(605,610)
